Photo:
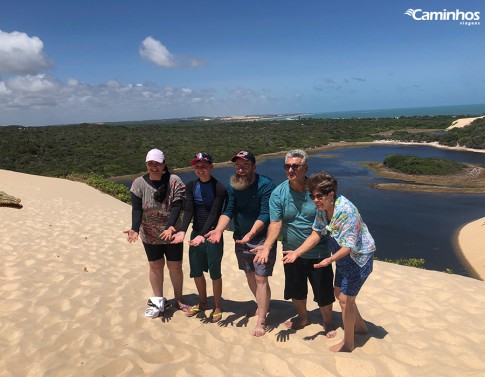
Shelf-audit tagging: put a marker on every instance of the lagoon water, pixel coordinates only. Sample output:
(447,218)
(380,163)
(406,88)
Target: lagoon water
(404,224)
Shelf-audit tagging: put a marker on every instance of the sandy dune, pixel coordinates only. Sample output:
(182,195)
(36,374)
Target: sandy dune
(72,297)
(462,122)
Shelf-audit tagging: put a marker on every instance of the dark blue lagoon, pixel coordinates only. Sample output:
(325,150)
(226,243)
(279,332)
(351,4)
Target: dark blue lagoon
(404,224)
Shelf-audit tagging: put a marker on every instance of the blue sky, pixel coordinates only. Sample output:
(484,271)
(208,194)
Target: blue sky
(76,61)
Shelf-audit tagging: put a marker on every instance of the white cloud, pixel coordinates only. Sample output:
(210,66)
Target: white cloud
(154,51)
(42,100)
(32,84)
(4,89)
(20,53)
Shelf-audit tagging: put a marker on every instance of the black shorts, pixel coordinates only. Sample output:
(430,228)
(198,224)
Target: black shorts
(321,280)
(173,252)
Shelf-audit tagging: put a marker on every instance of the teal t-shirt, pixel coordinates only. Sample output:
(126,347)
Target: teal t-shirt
(297,212)
(247,206)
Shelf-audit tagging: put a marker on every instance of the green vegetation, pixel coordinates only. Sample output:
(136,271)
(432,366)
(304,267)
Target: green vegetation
(472,136)
(422,166)
(410,262)
(119,149)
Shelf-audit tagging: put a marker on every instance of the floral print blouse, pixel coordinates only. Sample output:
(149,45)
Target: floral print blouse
(348,229)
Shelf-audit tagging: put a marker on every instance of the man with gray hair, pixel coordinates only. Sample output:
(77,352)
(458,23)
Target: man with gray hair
(292,213)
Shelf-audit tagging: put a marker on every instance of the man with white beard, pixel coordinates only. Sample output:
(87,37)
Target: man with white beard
(248,204)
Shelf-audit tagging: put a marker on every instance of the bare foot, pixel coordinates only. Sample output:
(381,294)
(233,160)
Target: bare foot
(341,347)
(296,323)
(182,306)
(216,315)
(329,330)
(259,330)
(194,310)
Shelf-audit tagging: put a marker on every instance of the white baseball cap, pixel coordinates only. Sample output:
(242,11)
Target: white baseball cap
(155,155)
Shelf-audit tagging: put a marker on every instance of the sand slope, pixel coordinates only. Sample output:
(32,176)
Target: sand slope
(72,296)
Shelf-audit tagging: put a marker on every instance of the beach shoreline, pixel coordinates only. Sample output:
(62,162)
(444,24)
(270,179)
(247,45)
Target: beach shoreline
(470,241)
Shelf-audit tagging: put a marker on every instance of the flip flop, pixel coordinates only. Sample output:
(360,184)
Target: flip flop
(184,307)
(194,310)
(216,317)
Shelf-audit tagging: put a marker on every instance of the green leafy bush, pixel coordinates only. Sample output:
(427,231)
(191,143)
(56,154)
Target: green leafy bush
(422,166)
(410,262)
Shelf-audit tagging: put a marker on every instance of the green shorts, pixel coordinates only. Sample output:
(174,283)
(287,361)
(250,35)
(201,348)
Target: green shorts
(206,257)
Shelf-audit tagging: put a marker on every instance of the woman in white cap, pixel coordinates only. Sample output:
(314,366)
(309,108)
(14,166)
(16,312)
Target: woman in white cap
(157,199)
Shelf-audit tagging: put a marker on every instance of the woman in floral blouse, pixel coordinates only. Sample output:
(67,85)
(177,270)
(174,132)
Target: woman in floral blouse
(353,250)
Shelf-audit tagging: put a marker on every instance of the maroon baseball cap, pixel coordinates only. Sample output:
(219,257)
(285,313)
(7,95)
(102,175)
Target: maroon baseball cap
(202,156)
(245,155)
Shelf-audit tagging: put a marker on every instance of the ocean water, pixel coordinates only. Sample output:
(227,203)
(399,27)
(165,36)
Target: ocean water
(476,109)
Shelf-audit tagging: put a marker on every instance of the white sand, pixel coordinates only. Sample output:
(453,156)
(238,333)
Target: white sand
(72,297)
(471,240)
(463,122)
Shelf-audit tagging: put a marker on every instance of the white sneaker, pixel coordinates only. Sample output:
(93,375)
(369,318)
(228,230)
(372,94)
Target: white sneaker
(156,307)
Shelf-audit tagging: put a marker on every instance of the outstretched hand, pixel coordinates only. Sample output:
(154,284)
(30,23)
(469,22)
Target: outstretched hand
(323,263)
(132,236)
(214,236)
(178,237)
(196,241)
(167,234)
(262,254)
(248,237)
(289,256)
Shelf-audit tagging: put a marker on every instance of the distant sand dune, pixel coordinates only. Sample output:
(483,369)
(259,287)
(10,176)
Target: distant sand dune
(463,122)
(72,296)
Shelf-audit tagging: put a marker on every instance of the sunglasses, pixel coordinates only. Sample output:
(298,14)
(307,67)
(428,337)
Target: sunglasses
(243,167)
(317,196)
(292,166)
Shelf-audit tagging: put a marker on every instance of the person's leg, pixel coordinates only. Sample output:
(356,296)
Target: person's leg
(347,303)
(217,291)
(263,291)
(198,264)
(263,297)
(321,280)
(360,326)
(177,278)
(296,289)
(328,326)
(201,286)
(174,255)
(251,279)
(156,265)
(301,319)
(155,274)
(214,253)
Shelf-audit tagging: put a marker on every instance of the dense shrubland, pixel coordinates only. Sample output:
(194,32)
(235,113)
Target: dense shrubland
(119,149)
(422,166)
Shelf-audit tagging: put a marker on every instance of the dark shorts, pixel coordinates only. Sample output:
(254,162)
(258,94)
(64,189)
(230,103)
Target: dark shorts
(245,259)
(321,280)
(171,252)
(350,277)
(207,257)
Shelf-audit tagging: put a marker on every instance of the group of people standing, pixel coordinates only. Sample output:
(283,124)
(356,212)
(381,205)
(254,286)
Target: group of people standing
(318,227)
